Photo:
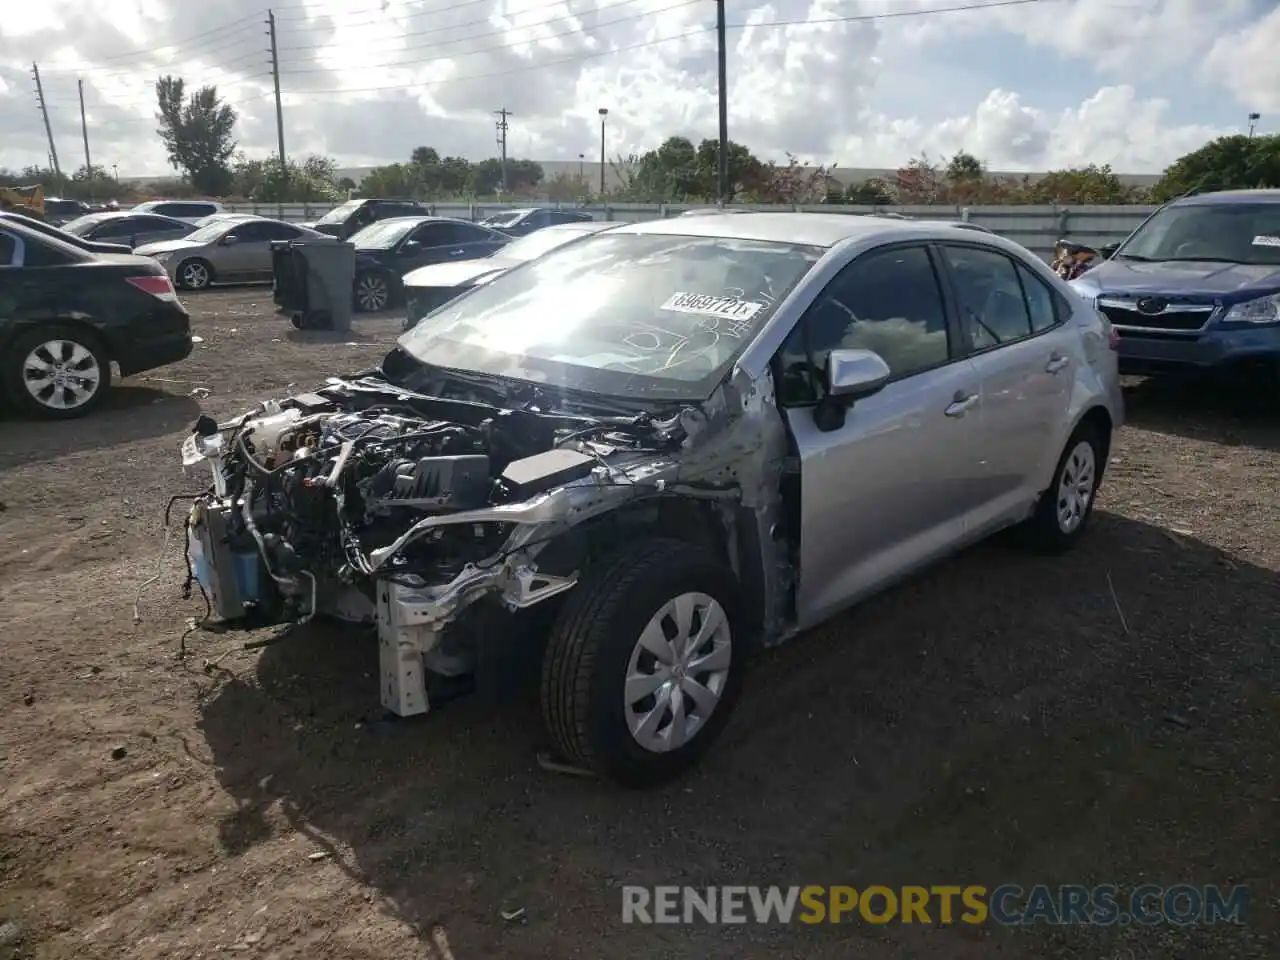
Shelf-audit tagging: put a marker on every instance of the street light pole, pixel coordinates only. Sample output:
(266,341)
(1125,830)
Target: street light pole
(604,113)
(1253,118)
(722,173)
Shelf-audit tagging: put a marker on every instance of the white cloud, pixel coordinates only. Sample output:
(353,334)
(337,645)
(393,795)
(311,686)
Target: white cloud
(1247,62)
(366,81)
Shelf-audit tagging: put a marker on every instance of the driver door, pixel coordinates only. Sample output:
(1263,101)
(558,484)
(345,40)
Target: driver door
(242,251)
(893,487)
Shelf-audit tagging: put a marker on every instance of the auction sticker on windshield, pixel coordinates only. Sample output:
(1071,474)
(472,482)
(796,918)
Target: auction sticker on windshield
(730,308)
(1266,241)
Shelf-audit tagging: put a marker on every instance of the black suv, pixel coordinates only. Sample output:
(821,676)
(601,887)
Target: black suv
(355,215)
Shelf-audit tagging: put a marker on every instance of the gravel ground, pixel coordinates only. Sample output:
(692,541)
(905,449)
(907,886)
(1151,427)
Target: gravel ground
(1110,716)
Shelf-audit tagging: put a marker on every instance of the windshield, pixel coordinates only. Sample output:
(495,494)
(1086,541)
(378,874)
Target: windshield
(1247,233)
(382,236)
(339,214)
(210,231)
(641,316)
(81,225)
(538,243)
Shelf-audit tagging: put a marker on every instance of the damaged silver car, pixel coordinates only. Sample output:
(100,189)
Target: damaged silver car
(627,464)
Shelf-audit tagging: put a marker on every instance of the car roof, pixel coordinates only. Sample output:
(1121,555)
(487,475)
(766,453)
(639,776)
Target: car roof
(1228,196)
(810,229)
(39,236)
(117,214)
(578,226)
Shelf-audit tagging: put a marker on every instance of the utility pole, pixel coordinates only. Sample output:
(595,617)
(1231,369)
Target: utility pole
(1253,118)
(44,111)
(722,177)
(604,115)
(275,77)
(502,142)
(84,132)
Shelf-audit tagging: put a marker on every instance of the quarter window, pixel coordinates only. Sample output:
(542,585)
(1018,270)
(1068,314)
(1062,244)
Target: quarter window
(1041,302)
(993,307)
(8,250)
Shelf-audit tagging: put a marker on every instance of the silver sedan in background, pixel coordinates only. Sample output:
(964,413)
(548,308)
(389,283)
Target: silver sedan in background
(225,251)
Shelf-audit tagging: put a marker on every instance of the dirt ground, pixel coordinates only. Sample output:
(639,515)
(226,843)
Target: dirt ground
(1110,716)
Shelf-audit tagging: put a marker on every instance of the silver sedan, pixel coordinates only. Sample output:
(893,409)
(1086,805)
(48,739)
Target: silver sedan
(225,251)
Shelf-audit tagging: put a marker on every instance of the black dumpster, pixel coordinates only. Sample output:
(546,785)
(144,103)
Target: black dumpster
(312,281)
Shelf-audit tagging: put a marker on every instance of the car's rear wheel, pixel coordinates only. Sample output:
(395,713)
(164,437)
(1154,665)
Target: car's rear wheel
(373,293)
(645,662)
(1065,508)
(194,274)
(56,372)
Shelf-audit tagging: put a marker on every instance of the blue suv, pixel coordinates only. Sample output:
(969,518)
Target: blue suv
(1195,289)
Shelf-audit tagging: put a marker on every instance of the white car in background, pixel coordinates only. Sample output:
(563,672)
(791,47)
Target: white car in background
(189,211)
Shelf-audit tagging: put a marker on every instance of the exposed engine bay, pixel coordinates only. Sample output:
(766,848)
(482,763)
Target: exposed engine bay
(375,504)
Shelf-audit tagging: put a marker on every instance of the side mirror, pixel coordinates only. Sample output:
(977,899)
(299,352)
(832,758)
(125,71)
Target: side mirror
(850,375)
(1108,250)
(409,246)
(854,374)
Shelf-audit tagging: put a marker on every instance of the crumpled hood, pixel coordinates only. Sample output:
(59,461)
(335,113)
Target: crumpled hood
(456,274)
(165,246)
(1197,279)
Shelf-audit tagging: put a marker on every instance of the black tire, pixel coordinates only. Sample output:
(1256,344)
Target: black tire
(37,403)
(591,644)
(368,288)
(1046,531)
(194,273)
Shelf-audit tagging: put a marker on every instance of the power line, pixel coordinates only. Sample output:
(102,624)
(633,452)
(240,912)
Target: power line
(505,46)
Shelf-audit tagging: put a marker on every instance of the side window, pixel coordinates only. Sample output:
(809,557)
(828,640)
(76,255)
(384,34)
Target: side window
(1042,305)
(888,301)
(444,234)
(466,233)
(8,248)
(194,210)
(429,235)
(989,295)
(123,227)
(255,232)
(39,255)
(154,225)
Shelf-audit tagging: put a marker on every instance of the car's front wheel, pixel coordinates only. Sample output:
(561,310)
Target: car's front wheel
(56,372)
(194,274)
(645,662)
(373,293)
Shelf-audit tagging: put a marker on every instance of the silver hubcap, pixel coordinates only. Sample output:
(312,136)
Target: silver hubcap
(1075,489)
(678,672)
(194,274)
(61,374)
(372,293)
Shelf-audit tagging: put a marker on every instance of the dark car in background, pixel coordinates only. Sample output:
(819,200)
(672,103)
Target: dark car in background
(31,223)
(58,211)
(519,223)
(1195,289)
(67,314)
(128,227)
(432,286)
(387,250)
(353,216)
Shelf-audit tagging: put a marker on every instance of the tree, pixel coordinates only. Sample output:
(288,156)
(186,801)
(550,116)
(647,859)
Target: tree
(197,134)
(1228,163)
(568,188)
(261,180)
(920,181)
(793,183)
(394,180)
(1091,184)
(679,172)
(522,176)
(966,179)
(874,192)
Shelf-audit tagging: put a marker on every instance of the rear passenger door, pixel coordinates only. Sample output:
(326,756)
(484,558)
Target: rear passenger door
(1015,331)
(894,486)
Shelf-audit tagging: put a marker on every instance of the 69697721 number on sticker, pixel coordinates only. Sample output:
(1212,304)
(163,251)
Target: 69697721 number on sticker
(730,308)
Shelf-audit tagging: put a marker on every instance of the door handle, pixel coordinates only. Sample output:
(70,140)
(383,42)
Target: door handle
(961,404)
(456,253)
(1056,363)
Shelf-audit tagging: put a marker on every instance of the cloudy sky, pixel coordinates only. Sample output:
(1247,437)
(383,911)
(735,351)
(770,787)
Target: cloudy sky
(1024,84)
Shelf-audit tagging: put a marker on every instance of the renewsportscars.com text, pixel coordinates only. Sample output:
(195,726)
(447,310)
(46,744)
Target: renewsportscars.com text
(1006,905)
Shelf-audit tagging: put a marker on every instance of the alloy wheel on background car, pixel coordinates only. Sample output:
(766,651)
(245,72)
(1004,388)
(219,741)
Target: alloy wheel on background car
(372,293)
(193,275)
